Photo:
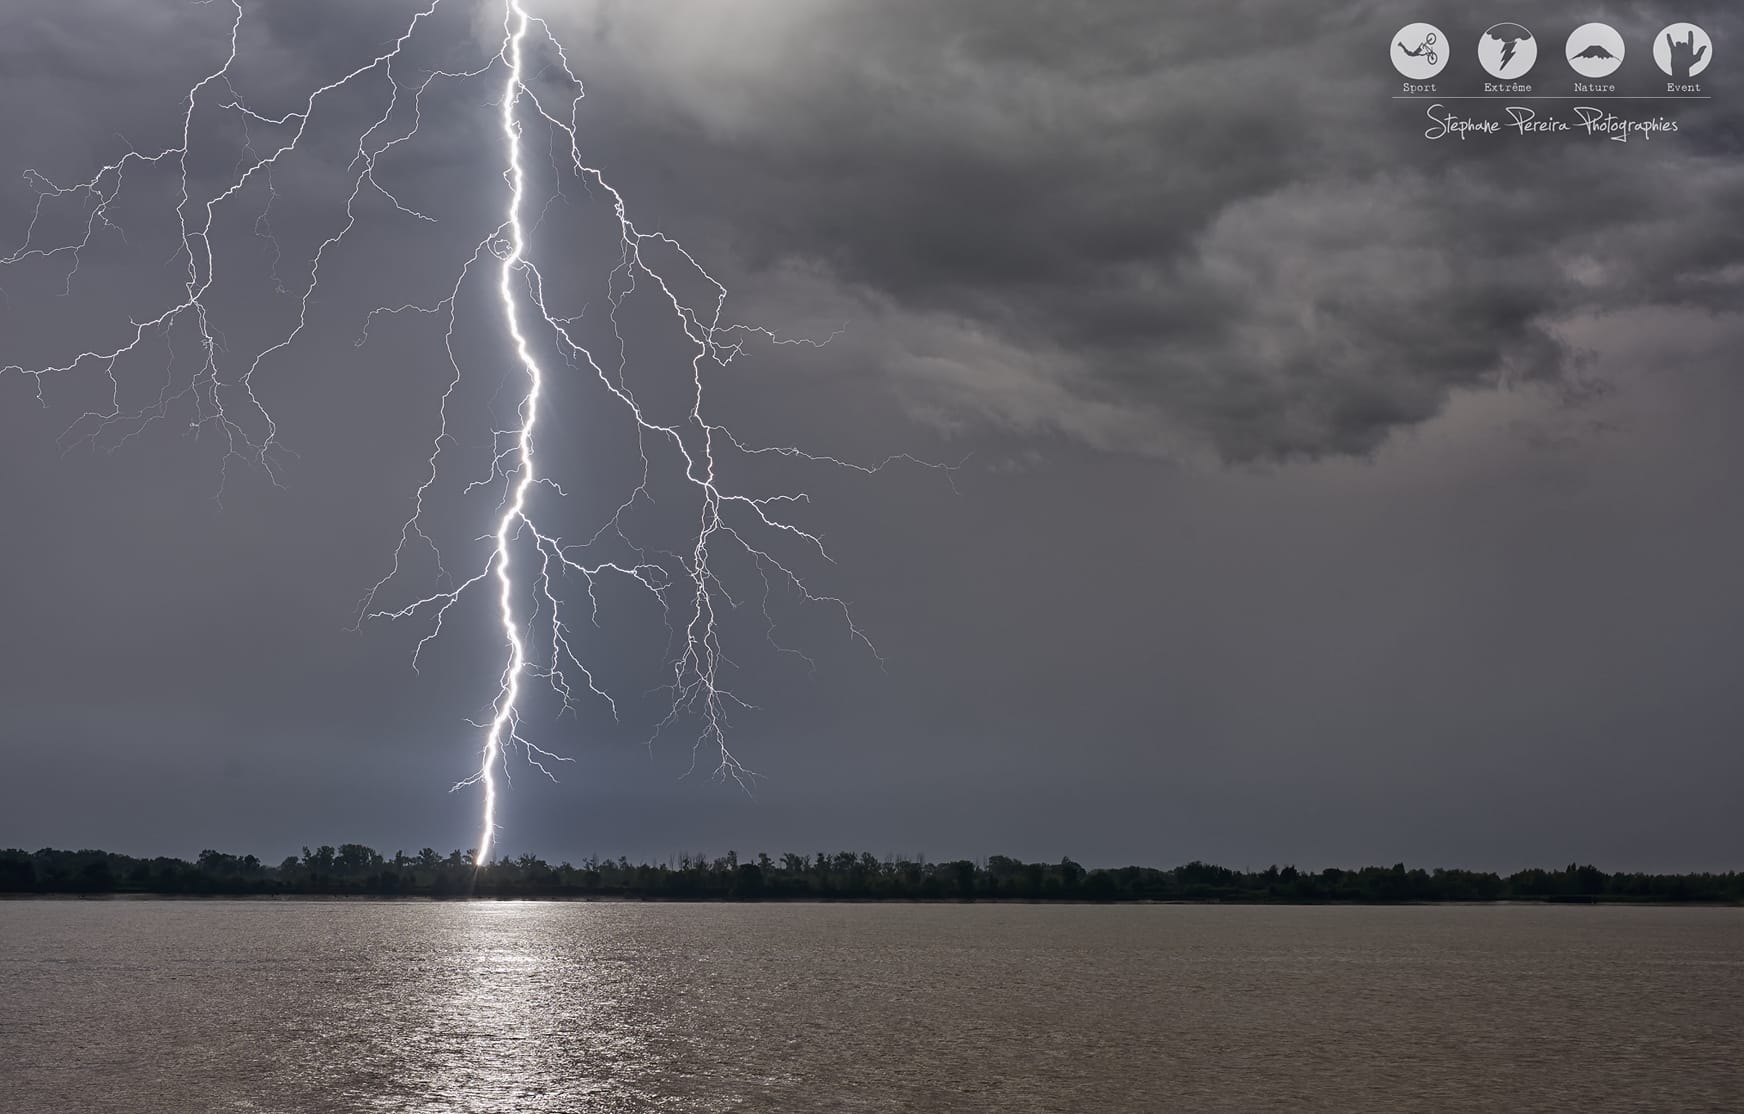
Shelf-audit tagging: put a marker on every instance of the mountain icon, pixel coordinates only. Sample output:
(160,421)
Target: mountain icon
(1595,50)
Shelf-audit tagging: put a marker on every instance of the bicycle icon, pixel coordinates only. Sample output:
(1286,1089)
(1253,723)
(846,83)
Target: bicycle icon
(1425,49)
(1419,51)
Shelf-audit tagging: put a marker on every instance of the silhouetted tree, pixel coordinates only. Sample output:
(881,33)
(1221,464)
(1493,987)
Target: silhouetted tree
(357,869)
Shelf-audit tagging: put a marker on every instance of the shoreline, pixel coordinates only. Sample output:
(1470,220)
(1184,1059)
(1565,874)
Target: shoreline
(420,899)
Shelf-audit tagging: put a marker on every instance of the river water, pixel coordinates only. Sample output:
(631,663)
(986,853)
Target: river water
(144,1006)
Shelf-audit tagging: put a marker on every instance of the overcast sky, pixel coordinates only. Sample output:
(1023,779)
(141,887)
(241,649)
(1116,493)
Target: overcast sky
(1330,495)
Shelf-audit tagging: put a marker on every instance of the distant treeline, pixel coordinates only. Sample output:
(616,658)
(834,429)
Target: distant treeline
(353,869)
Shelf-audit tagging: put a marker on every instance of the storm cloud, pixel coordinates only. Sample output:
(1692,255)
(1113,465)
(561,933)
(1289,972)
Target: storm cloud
(1209,230)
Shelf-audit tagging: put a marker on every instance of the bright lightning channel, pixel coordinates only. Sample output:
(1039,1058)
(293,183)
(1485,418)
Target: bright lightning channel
(516,510)
(220,393)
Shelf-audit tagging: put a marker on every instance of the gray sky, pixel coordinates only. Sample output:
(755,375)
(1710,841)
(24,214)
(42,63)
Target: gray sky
(1332,495)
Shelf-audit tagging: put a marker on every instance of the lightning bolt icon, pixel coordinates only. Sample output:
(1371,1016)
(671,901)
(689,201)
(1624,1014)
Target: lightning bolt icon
(526,562)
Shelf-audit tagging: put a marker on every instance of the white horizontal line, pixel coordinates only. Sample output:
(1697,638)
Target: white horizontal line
(1506,97)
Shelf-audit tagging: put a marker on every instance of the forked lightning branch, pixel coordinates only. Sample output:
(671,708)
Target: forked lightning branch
(523,560)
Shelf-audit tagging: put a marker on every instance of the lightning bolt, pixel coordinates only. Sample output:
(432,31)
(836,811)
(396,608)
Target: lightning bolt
(1508,51)
(525,561)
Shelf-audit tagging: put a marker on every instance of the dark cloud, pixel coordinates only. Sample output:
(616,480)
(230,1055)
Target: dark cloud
(1218,219)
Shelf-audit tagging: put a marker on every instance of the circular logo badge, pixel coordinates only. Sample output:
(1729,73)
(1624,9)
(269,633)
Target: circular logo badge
(1595,50)
(1683,50)
(1419,51)
(1507,51)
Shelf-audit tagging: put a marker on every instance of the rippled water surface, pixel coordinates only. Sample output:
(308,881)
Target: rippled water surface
(159,1006)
